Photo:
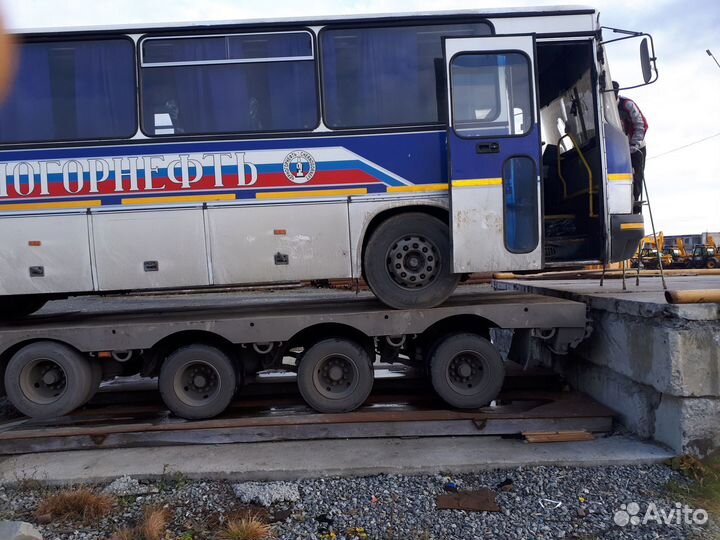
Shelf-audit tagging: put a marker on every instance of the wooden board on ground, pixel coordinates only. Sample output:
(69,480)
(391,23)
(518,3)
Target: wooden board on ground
(557,436)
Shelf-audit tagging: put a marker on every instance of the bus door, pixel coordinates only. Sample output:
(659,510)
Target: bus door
(494,153)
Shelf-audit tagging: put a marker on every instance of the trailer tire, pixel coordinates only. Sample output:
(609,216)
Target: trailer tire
(95,380)
(335,375)
(407,262)
(47,379)
(197,382)
(466,371)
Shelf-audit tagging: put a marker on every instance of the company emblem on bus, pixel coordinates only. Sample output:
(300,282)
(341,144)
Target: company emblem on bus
(299,167)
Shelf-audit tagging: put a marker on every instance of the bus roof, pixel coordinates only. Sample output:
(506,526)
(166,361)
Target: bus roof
(534,11)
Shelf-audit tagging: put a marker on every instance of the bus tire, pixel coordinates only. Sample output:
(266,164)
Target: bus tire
(335,375)
(47,379)
(197,382)
(466,371)
(407,262)
(16,307)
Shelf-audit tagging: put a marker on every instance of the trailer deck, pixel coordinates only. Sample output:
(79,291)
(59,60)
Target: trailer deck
(139,322)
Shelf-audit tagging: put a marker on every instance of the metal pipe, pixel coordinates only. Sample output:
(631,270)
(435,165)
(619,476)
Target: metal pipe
(698,296)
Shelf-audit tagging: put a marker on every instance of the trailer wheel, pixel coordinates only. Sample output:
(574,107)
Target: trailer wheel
(335,375)
(95,379)
(407,262)
(16,307)
(197,381)
(466,371)
(47,380)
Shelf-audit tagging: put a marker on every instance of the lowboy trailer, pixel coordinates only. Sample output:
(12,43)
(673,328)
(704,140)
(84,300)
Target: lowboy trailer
(204,351)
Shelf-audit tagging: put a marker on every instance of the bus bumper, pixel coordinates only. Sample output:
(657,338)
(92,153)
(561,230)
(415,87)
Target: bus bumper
(626,232)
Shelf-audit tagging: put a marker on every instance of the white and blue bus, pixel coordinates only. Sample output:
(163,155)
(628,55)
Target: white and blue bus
(408,150)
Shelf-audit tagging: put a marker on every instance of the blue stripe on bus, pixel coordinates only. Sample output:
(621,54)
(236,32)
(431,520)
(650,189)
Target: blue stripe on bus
(270,168)
(419,157)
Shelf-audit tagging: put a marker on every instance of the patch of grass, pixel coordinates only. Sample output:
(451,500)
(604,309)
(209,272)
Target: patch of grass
(171,479)
(81,504)
(246,526)
(152,526)
(703,490)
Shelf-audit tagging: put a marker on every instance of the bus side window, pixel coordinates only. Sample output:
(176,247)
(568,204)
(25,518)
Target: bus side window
(71,90)
(239,83)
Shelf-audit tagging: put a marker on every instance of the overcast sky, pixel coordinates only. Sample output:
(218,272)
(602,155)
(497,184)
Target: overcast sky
(682,107)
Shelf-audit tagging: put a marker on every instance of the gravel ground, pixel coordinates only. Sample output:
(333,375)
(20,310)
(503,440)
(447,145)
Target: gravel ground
(543,503)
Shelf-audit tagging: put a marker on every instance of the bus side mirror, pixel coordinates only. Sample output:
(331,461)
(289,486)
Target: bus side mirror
(645,61)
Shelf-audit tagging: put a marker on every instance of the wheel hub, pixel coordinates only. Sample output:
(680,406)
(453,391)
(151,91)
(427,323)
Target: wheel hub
(335,373)
(336,376)
(200,383)
(412,262)
(43,381)
(465,372)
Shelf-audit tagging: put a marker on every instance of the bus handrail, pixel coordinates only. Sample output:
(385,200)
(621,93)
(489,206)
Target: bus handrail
(590,191)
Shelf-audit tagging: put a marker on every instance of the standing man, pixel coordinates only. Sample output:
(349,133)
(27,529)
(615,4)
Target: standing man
(635,126)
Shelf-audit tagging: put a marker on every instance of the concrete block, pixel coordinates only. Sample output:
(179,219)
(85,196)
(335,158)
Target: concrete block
(635,403)
(675,358)
(688,425)
(18,530)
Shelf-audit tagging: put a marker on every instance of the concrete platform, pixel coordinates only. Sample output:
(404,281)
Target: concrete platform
(309,459)
(657,364)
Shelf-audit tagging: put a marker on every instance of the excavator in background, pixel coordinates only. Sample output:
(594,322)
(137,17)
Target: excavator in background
(705,255)
(677,255)
(647,253)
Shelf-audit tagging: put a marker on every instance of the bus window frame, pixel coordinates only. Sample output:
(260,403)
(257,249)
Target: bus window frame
(223,134)
(85,140)
(532,85)
(390,24)
(142,64)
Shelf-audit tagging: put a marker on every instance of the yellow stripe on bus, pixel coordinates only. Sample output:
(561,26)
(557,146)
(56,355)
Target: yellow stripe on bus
(417,188)
(50,205)
(478,182)
(305,194)
(631,226)
(620,177)
(181,199)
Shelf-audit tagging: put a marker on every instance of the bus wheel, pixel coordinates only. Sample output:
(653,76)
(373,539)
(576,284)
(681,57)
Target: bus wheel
(407,262)
(335,375)
(47,379)
(466,371)
(16,307)
(197,381)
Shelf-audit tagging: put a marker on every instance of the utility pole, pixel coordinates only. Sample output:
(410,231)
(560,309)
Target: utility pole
(712,56)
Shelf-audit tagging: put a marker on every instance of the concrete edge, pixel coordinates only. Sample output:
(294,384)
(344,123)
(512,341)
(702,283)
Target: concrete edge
(294,460)
(648,310)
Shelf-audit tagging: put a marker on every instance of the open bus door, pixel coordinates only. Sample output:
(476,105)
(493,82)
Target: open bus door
(494,153)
